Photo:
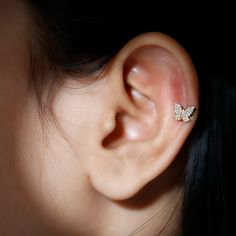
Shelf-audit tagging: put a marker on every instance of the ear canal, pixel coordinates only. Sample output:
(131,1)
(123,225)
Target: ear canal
(128,127)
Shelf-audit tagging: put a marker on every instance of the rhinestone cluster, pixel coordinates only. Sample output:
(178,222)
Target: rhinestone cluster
(182,114)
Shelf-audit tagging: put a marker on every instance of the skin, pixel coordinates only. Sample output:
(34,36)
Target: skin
(101,176)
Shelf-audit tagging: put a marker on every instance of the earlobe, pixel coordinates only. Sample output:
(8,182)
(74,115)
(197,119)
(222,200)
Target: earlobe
(155,73)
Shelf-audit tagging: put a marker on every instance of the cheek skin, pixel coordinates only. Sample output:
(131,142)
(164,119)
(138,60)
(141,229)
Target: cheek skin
(79,111)
(51,171)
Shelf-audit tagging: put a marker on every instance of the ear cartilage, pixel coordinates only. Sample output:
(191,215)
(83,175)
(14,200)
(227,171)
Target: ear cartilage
(182,114)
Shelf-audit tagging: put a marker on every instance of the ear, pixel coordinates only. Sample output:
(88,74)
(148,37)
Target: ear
(141,138)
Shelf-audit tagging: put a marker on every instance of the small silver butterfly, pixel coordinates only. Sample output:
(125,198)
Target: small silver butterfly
(182,114)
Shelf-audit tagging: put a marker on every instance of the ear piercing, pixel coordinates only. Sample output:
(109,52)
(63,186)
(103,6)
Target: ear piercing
(182,114)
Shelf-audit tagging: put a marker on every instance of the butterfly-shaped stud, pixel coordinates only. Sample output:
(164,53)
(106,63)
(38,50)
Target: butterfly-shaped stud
(182,114)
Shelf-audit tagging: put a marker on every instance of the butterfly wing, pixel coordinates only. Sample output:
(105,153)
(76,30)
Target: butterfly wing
(187,113)
(178,112)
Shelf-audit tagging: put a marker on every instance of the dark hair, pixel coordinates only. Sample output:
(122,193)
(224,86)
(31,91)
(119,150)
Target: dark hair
(64,39)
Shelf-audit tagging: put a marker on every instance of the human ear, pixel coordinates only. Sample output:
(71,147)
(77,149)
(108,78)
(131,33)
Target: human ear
(139,136)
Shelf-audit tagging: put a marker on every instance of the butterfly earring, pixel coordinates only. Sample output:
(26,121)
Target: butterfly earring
(182,114)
